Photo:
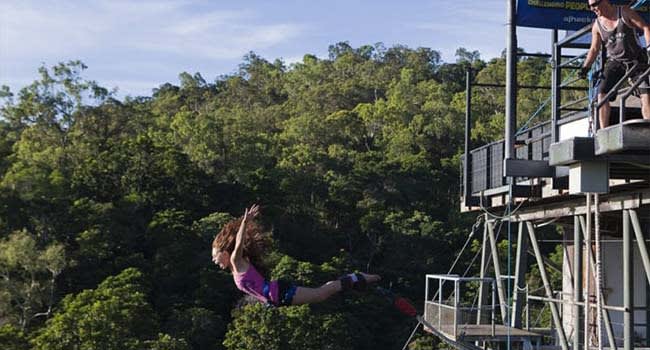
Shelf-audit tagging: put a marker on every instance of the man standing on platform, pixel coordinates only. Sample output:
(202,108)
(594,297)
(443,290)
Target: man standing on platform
(616,26)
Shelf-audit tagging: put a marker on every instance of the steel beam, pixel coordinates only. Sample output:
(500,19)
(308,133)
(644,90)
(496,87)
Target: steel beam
(610,202)
(628,284)
(547,287)
(589,261)
(511,79)
(555,87)
(497,273)
(467,191)
(577,281)
(643,249)
(521,266)
(485,253)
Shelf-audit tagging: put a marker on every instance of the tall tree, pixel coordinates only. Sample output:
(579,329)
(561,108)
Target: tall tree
(28,278)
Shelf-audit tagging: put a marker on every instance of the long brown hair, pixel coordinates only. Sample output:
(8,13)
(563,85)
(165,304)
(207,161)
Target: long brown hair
(256,241)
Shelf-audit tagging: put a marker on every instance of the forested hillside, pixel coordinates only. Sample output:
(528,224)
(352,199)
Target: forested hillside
(108,206)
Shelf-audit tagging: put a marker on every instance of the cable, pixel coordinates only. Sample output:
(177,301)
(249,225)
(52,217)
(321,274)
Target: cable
(471,234)
(497,217)
(411,336)
(479,252)
(469,238)
(547,223)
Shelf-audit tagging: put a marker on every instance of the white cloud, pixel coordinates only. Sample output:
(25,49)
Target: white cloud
(177,27)
(198,25)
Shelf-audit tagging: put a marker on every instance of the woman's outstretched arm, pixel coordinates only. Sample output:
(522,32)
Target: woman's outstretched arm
(239,263)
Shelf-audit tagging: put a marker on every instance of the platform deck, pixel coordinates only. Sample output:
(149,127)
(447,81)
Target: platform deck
(474,332)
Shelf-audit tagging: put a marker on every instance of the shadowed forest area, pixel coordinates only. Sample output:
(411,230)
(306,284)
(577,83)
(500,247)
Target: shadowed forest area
(108,206)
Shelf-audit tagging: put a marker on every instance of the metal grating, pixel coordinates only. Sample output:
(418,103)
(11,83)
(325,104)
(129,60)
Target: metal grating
(479,169)
(496,165)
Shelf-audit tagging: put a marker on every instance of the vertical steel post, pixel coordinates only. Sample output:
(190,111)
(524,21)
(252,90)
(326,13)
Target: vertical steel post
(595,121)
(510,129)
(621,110)
(647,315)
(485,252)
(599,274)
(493,311)
(456,307)
(577,280)
(547,287)
(467,192)
(588,260)
(628,285)
(440,304)
(527,311)
(521,265)
(556,60)
(426,296)
(511,79)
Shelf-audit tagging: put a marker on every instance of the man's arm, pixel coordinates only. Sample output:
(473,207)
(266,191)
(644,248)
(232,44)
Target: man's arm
(594,49)
(638,22)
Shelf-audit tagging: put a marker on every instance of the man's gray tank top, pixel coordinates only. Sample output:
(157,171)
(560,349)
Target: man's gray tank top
(621,42)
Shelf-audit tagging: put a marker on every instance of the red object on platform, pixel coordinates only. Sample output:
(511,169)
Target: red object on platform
(405,307)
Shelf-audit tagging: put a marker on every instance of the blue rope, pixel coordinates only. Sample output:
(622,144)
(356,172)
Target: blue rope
(638,4)
(539,110)
(541,107)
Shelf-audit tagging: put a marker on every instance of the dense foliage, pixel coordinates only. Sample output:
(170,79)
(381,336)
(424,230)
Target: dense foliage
(112,204)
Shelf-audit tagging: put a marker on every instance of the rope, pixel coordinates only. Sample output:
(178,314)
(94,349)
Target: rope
(411,336)
(479,252)
(469,238)
(539,110)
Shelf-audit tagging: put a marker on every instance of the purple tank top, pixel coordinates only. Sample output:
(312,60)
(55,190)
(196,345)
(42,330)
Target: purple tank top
(252,283)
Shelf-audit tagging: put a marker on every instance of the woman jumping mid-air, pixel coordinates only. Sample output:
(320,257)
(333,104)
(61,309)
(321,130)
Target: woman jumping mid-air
(239,246)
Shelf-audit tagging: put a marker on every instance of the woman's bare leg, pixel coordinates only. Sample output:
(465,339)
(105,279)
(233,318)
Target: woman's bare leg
(306,295)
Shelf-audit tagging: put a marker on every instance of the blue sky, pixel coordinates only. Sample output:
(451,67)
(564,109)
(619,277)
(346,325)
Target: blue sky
(138,45)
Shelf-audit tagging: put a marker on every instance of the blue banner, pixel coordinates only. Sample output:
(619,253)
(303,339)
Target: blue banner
(561,14)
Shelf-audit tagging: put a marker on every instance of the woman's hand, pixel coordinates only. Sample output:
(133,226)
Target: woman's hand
(252,212)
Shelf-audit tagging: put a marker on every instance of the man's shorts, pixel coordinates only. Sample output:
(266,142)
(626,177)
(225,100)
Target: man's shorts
(615,70)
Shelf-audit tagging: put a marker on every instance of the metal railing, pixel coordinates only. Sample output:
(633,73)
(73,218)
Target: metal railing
(572,113)
(617,327)
(450,314)
(568,111)
(482,168)
(637,83)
